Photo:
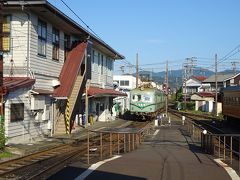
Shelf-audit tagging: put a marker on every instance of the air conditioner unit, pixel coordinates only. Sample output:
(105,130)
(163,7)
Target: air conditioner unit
(46,113)
(55,82)
(38,117)
(103,85)
(37,102)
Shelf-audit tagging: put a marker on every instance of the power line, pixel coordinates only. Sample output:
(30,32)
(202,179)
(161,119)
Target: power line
(81,19)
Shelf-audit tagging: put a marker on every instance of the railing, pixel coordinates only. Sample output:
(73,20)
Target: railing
(103,144)
(223,146)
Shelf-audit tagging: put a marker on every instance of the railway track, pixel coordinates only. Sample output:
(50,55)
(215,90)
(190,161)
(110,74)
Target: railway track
(203,121)
(43,164)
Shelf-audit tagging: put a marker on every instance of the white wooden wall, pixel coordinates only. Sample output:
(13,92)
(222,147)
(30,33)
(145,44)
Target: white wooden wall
(106,77)
(28,129)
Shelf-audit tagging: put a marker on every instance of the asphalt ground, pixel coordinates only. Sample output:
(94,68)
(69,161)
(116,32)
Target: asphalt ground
(167,154)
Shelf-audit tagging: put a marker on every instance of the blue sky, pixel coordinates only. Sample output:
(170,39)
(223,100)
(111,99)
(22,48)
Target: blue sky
(163,30)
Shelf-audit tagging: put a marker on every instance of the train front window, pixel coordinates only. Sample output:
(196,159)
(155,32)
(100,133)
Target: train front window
(146,98)
(136,97)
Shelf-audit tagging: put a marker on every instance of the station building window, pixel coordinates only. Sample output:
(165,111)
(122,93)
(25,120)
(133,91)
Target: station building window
(17,112)
(55,44)
(124,83)
(6,30)
(42,37)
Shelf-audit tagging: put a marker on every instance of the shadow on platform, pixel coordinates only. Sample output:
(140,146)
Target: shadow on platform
(70,173)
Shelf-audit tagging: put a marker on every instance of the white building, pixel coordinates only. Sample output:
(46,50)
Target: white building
(53,57)
(125,83)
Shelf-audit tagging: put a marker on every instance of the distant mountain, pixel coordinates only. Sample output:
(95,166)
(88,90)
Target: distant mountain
(174,76)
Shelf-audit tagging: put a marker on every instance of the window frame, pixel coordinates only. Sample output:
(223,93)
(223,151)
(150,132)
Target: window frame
(102,64)
(67,45)
(55,43)
(124,83)
(18,116)
(6,38)
(42,41)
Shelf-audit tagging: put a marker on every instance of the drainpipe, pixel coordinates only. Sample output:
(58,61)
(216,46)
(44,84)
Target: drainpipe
(52,119)
(28,43)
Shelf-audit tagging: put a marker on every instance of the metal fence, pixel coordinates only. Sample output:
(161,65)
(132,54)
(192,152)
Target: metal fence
(106,143)
(223,146)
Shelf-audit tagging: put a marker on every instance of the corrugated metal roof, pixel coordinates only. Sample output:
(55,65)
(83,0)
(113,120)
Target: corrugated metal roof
(95,91)
(57,12)
(200,78)
(14,83)
(232,88)
(220,77)
(206,94)
(42,91)
(70,70)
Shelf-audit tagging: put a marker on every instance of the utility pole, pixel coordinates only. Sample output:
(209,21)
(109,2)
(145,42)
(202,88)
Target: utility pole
(176,87)
(1,59)
(167,88)
(216,87)
(234,66)
(137,70)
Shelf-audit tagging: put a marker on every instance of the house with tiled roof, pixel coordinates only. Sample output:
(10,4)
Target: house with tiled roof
(205,97)
(209,83)
(205,101)
(193,84)
(232,81)
(49,59)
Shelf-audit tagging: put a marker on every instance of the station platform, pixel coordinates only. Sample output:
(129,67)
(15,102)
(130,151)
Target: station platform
(168,153)
(49,142)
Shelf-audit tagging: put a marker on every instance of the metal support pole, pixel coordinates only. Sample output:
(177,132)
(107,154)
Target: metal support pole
(124,139)
(110,144)
(219,146)
(224,147)
(206,140)
(133,141)
(193,132)
(101,146)
(88,146)
(118,143)
(231,149)
(129,142)
(137,139)
(216,88)
(239,153)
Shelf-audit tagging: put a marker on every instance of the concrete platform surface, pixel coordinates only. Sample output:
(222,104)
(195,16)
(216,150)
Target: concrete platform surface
(167,154)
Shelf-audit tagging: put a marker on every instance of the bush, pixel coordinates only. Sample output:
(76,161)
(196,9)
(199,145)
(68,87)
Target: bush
(181,105)
(190,105)
(2,136)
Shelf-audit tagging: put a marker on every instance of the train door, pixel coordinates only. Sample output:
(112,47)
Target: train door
(97,110)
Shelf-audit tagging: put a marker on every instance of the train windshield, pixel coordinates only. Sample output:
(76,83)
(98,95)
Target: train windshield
(147,98)
(136,97)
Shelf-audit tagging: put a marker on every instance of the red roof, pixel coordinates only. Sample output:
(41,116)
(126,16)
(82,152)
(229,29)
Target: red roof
(95,91)
(200,78)
(206,94)
(14,83)
(42,91)
(70,70)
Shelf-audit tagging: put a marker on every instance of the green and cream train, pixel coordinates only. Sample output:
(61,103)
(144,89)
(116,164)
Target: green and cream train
(145,103)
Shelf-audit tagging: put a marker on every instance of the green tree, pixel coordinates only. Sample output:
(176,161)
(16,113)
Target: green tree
(179,95)
(2,135)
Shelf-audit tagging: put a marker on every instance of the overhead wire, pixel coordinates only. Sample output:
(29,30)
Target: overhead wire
(80,19)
